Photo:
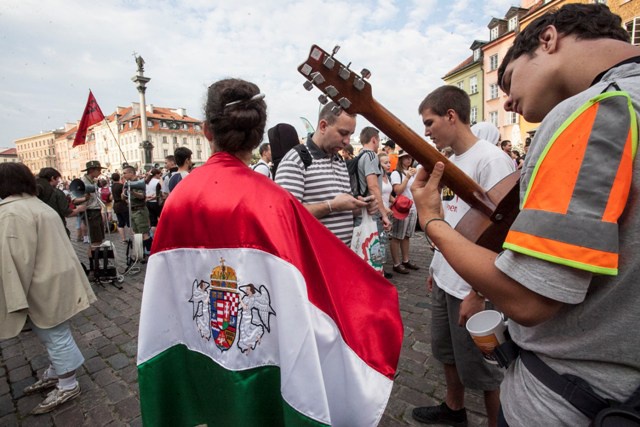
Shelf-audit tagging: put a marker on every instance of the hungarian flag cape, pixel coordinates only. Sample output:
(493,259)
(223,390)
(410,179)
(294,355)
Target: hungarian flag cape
(253,313)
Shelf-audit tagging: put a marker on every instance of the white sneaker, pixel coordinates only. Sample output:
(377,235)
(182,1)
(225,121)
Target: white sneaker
(56,398)
(42,384)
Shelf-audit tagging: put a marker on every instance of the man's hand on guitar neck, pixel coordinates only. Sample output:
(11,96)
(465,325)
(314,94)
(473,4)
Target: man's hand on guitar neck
(426,193)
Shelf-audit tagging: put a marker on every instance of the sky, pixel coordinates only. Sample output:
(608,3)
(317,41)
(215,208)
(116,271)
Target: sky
(54,51)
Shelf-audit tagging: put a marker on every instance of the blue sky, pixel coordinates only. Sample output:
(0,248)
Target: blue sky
(55,50)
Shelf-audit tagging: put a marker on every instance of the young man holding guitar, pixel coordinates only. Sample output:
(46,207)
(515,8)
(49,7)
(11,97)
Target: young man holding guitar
(445,113)
(571,305)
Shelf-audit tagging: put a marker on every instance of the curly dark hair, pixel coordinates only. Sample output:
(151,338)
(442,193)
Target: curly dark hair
(234,115)
(584,21)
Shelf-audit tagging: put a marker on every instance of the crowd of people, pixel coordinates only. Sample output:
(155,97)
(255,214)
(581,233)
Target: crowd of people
(565,279)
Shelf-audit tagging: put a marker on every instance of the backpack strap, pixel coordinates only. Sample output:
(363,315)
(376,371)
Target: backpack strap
(304,154)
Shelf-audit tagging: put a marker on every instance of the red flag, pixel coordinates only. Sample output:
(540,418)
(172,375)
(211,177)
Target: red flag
(92,115)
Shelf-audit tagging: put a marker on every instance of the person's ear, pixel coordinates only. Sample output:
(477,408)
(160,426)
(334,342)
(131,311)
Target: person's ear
(548,39)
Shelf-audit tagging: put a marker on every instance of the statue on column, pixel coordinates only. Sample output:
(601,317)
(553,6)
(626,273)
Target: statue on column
(140,63)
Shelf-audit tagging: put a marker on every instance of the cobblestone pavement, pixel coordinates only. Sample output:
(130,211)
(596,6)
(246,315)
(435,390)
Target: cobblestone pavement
(107,335)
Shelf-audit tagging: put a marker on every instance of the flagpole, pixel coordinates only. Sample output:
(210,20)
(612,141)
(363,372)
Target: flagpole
(116,139)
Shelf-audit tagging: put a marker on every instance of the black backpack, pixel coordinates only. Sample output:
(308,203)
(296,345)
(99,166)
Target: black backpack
(352,167)
(304,154)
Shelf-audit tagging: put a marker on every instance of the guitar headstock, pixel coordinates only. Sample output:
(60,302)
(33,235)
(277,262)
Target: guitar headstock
(347,89)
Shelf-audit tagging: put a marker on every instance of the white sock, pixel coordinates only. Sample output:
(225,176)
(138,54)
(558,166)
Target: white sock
(67,383)
(49,373)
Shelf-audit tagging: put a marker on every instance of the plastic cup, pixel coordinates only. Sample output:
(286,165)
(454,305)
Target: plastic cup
(487,330)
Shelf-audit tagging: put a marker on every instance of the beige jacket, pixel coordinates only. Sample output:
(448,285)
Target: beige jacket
(40,274)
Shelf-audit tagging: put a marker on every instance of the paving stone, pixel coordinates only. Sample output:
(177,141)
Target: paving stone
(118,361)
(130,348)
(94,365)
(129,374)
(6,405)
(117,391)
(92,333)
(122,339)
(108,350)
(99,415)
(92,398)
(136,422)
(104,377)
(40,362)
(43,420)
(17,387)
(26,404)
(4,386)
(128,409)
(68,416)
(15,362)
(112,331)
(20,373)
(12,351)
(9,420)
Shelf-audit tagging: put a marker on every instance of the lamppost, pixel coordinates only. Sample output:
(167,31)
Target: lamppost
(141,82)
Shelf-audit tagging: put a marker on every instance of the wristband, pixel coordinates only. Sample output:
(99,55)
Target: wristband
(479,294)
(426,224)
(329,204)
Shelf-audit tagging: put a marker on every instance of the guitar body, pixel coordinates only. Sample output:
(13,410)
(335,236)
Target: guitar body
(492,212)
(490,232)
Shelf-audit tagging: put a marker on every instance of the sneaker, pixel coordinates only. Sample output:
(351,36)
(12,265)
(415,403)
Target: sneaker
(42,384)
(410,265)
(86,239)
(56,398)
(400,269)
(387,275)
(440,415)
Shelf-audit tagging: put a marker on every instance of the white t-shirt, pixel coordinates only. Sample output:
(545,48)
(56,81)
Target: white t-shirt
(386,192)
(151,187)
(486,164)
(396,178)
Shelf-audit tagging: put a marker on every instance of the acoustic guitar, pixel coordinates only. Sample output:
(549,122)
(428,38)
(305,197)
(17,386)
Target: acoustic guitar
(492,212)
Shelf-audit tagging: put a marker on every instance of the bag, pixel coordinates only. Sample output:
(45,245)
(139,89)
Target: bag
(304,154)
(105,194)
(366,242)
(352,167)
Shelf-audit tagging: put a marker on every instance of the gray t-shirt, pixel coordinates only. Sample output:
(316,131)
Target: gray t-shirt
(369,164)
(595,334)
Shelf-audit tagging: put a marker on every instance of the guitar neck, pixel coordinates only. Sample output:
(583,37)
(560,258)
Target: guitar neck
(463,186)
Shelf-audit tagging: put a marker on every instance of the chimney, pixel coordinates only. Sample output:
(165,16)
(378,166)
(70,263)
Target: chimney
(150,108)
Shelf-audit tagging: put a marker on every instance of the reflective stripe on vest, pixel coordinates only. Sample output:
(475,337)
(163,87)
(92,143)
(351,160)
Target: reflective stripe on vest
(579,188)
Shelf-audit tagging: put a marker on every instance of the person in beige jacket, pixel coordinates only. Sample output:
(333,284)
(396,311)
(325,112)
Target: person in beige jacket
(41,282)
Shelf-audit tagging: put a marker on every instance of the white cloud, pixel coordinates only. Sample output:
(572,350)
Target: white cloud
(54,51)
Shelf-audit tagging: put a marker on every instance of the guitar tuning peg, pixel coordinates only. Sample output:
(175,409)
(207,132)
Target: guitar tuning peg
(329,62)
(308,85)
(358,83)
(306,69)
(323,99)
(336,110)
(365,73)
(317,78)
(331,91)
(345,72)
(344,103)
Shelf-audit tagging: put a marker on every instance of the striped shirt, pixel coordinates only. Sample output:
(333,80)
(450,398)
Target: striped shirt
(324,179)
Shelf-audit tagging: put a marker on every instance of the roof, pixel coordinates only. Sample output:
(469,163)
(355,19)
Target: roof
(9,152)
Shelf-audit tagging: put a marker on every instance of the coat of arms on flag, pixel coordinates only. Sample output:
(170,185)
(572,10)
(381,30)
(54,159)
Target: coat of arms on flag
(216,307)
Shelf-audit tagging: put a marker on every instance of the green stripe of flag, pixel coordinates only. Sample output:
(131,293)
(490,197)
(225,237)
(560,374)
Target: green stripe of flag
(197,391)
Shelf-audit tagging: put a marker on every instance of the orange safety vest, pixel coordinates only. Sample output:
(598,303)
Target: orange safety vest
(579,188)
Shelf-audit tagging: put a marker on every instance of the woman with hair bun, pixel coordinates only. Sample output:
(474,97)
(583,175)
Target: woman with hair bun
(249,300)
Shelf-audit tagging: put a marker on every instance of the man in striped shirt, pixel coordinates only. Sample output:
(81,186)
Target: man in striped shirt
(323,186)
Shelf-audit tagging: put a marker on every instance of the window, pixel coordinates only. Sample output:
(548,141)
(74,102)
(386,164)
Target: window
(197,141)
(476,55)
(184,141)
(513,23)
(512,118)
(473,85)
(493,62)
(493,34)
(199,155)
(460,84)
(175,140)
(493,118)
(633,28)
(150,123)
(164,139)
(493,91)
(474,115)
(165,152)
(197,127)
(185,126)
(163,124)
